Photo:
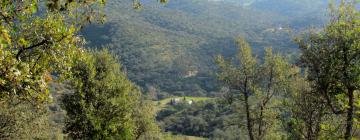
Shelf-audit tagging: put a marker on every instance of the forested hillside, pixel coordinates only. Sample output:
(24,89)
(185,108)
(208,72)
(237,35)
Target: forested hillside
(179,70)
(170,47)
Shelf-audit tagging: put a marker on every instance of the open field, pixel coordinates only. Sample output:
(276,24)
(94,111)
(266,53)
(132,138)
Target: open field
(163,103)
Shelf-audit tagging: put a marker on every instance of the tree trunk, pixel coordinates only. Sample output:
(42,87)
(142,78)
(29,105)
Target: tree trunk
(264,102)
(261,121)
(318,122)
(350,115)
(248,117)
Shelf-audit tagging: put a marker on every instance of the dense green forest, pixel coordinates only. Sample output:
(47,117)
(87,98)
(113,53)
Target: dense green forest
(160,47)
(186,70)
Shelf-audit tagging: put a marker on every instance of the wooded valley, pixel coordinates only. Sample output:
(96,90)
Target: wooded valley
(179,69)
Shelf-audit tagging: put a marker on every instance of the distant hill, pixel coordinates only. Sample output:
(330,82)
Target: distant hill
(160,44)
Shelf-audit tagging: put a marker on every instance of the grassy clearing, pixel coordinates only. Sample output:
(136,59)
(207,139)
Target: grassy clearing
(164,102)
(188,98)
(183,137)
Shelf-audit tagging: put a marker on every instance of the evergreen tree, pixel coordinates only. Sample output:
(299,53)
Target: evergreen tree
(333,59)
(105,104)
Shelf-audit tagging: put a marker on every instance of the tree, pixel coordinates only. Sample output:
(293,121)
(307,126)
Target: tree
(144,116)
(333,59)
(105,104)
(39,38)
(241,78)
(257,84)
(308,113)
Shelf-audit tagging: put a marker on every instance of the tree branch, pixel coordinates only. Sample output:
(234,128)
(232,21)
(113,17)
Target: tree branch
(6,18)
(43,42)
(328,101)
(30,47)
